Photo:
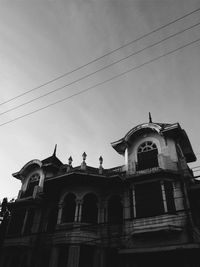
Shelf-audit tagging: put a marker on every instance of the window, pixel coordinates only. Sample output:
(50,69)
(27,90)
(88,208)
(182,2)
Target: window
(149,199)
(89,209)
(33,181)
(147,155)
(169,193)
(69,207)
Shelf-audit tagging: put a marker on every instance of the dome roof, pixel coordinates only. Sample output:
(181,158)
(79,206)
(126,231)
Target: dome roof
(165,129)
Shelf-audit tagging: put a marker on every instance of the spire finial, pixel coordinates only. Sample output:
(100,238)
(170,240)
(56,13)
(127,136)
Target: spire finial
(100,165)
(70,161)
(84,156)
(83,164)
(150,118)
(100,160)
(69,167)
(54,152)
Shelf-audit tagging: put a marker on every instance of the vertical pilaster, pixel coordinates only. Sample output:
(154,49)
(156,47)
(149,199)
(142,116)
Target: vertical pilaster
(134,202)
(163,196)
(73,258)
(126,203)
(80,210)
(59,213)
(101,212)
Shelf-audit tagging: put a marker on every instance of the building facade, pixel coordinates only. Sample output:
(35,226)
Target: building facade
(145,212)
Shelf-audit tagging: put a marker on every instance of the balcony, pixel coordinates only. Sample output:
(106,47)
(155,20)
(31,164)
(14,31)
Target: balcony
(162,223)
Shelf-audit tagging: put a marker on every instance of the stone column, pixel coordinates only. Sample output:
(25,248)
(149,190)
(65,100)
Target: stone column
(100,213)
(127,211)
(41,180)
(73,258)
(163,195)
(60,206)
(78,212)
(134,202)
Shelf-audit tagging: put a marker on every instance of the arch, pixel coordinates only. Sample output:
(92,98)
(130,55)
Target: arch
(90,209)
(35,163)
(115,210)
(68,208)
(147,155)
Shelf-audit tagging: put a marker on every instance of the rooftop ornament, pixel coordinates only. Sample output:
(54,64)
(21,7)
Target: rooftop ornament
(100,165)
(83,164)
(70,161)
(69,167)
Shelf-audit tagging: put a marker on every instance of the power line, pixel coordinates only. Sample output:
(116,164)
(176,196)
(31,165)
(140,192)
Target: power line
(103,68)
(107,54)
(101,83)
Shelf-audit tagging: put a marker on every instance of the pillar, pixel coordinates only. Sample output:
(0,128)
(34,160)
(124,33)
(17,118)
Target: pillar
(73,258)
(134,202)
(78,211)
(163,196)
(59,213)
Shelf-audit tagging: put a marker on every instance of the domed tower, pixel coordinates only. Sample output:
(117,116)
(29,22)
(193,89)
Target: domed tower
(156,157)
(152,146)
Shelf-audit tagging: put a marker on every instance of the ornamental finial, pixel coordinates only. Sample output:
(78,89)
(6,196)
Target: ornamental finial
(84,156)
(100,166)
(100,160)
(70,161)
(83,164)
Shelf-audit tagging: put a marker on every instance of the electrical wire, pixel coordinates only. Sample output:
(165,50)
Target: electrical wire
(99,70)
(101,83)
(105,55)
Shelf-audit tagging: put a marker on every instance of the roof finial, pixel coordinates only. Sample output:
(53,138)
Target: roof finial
(54,152)
(150,119)
(83,164)
(100,165)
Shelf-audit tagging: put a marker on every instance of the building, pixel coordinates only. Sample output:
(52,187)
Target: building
(145,212)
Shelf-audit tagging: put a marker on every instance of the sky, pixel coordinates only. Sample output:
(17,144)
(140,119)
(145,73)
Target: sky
(43,39)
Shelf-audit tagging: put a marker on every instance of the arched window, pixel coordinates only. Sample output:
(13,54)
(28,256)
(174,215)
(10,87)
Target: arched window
(147,155)
(115,210)
(33,181)
(89,209)
(69,207)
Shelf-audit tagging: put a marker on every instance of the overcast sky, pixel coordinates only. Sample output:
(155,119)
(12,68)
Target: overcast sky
(42,39)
